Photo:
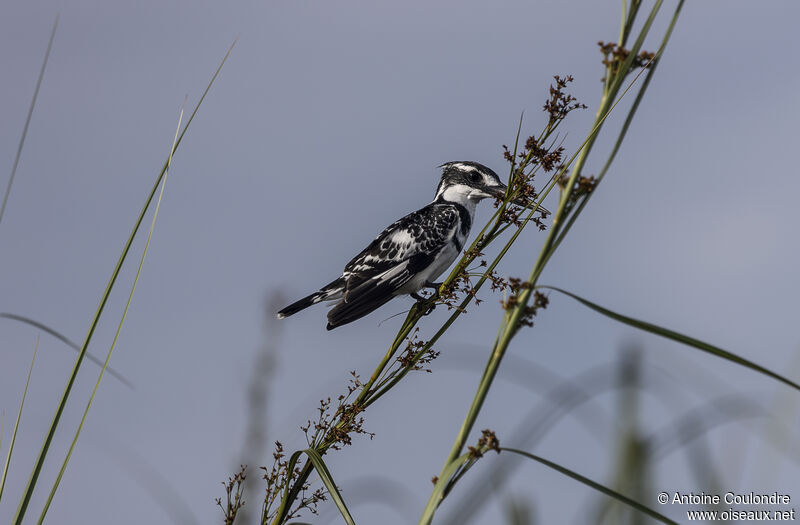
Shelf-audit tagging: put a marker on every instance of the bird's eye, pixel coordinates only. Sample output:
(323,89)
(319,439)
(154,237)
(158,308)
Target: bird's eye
(475,176)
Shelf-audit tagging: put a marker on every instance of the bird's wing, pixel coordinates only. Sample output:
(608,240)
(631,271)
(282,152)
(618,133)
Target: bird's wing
(401,250)
(368,296)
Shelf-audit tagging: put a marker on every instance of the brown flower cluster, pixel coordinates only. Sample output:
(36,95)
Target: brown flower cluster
(463,285)
(538,154)
(488,441)
(540,301)
(413,347)
(234,488)
(548,159)
(511,214)
(582,186)
(560,103)
(279,476)
(460,287)
(615,55)
(333,428)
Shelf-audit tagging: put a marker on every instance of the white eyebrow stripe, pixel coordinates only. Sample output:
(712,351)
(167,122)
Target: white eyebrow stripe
(464,167)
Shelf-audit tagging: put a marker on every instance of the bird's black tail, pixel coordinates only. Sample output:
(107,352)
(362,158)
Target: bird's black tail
(331,291)
(295,307)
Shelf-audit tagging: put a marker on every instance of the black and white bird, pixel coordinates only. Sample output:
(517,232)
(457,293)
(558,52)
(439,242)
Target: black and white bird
(413,251)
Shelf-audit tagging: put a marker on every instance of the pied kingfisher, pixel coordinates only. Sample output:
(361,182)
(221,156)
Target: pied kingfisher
(413,251)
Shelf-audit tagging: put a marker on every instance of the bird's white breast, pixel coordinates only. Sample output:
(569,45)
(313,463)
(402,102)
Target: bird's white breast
(442,262)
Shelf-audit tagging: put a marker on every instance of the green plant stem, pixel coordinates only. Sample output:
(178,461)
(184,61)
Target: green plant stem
(639,96)
(607,103)
(543,257)
(440,485)
(491,369)
(511,322)
(628,23)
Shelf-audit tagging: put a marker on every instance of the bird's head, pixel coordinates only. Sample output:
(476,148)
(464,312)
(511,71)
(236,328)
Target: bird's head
(465,181)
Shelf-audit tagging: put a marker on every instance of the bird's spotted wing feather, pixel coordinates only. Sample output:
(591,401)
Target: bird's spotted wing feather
(399,253)
(403,248)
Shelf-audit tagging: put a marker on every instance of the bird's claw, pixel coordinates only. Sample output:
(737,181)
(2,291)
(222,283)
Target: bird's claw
(435,287)
(428,303)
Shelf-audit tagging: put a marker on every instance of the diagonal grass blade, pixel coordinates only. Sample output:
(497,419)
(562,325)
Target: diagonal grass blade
(16,424)
(28,120)
(28,492)
(597,486)
(119,327)
(327,480)
(675,336)
(69,342)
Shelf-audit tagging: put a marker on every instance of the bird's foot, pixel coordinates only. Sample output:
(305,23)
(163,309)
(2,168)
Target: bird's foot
(435,287)
(427,304)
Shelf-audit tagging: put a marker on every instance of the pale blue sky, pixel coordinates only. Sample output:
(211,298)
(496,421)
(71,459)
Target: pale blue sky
(326,125)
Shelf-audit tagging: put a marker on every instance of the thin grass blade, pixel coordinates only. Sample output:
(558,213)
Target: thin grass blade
(69,342)
(318,464)
(327,480)
(28,492)
(28,120)
(16,424)
(597,486)
(675,336)
(119,326)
